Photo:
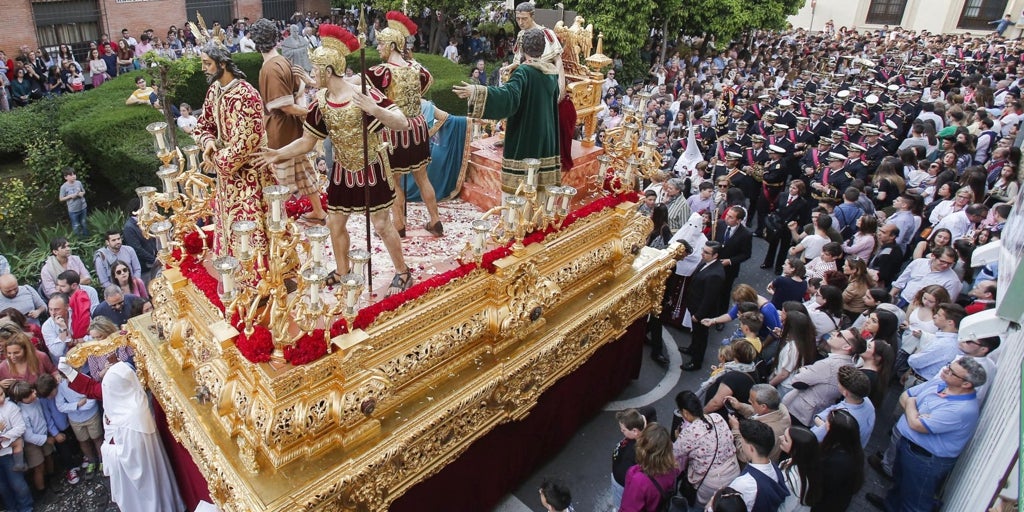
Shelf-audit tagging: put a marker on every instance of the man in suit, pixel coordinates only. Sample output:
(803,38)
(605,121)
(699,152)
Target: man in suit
(702,292)
(737,242)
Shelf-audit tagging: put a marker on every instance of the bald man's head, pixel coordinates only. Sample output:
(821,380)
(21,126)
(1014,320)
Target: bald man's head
(9,285)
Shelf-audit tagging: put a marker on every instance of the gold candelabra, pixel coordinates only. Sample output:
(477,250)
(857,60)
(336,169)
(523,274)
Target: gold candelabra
(524,212)
(185,198)
(257,286)
(630,149)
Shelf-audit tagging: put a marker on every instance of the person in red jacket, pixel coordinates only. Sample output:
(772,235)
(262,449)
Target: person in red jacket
(80,302)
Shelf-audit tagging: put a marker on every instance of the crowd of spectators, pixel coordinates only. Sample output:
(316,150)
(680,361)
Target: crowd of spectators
(874,165)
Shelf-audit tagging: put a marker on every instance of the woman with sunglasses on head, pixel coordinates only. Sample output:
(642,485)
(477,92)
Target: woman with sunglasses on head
(121,275)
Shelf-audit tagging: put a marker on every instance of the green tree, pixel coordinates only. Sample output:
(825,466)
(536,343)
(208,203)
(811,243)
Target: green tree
(168,75)
(726,20)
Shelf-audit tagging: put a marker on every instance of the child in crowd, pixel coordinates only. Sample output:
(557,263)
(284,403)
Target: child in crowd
(631,423)
(12,428)
(750,325)
(57,423)
(855,387)
(84,415)
(813,285)
(825,261)
(72,192)
(38,441)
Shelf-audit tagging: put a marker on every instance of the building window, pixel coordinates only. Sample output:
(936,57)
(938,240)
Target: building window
(74,23)
(278,9)
(977,14)
(886,12)
(212,11)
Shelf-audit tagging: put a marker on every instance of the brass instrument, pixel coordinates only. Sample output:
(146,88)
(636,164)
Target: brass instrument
(755,171)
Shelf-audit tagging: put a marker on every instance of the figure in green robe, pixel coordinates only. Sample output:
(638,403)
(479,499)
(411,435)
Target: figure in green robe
(529,103)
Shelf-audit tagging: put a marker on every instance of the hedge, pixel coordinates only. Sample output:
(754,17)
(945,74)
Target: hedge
(112,138)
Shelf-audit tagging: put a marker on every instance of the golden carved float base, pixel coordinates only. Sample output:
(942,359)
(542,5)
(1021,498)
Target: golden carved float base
(397,402)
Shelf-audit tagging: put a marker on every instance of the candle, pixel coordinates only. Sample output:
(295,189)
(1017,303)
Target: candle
(243,242)
(565,200)
(350,297)
(551,202)
(160,142)
(314,293)
(529,176)
(227,282)
(275,210)
(512,215)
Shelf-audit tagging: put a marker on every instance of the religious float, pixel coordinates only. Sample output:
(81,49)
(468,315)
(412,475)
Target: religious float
(291,395)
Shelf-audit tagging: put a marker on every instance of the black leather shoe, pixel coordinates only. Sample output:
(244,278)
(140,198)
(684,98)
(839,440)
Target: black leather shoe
(660,359)
(686,350)
(689,366)
(876,500)
(876,463)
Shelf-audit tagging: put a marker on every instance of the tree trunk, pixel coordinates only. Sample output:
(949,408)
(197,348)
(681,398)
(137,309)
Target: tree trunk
(664,39)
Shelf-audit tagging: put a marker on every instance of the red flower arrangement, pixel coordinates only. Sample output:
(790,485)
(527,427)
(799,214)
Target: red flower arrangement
(193,243)
(258,347)
(194,271)
(295,207)
(306,349)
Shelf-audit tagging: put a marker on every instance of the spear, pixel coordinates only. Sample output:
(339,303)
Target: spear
(366,147)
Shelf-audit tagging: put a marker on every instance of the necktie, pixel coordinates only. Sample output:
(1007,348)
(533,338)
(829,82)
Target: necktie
(790,200)
(728,234)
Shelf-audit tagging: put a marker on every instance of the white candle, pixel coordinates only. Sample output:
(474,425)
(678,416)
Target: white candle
(228,283)
(160,141)
(275,210)
(244,243)
(314,293)
(512,215)
(168,185)
(529,176)
(565,202)
(350,297)
(477,242)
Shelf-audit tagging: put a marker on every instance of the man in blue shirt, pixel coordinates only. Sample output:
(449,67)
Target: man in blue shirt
(939,418)
(925,365)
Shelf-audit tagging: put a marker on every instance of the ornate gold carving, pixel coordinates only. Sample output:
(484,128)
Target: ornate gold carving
(355,429)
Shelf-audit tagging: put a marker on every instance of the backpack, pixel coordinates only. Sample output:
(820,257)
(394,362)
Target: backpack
(847,226)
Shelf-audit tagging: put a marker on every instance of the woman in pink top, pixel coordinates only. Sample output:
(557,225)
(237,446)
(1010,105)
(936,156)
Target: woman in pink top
(863,242)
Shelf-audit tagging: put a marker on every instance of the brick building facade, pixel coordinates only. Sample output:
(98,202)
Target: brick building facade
(47,23)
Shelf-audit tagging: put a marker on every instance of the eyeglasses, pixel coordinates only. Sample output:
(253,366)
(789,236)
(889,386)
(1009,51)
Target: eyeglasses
(723,185)
(949,368)
(121,271)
